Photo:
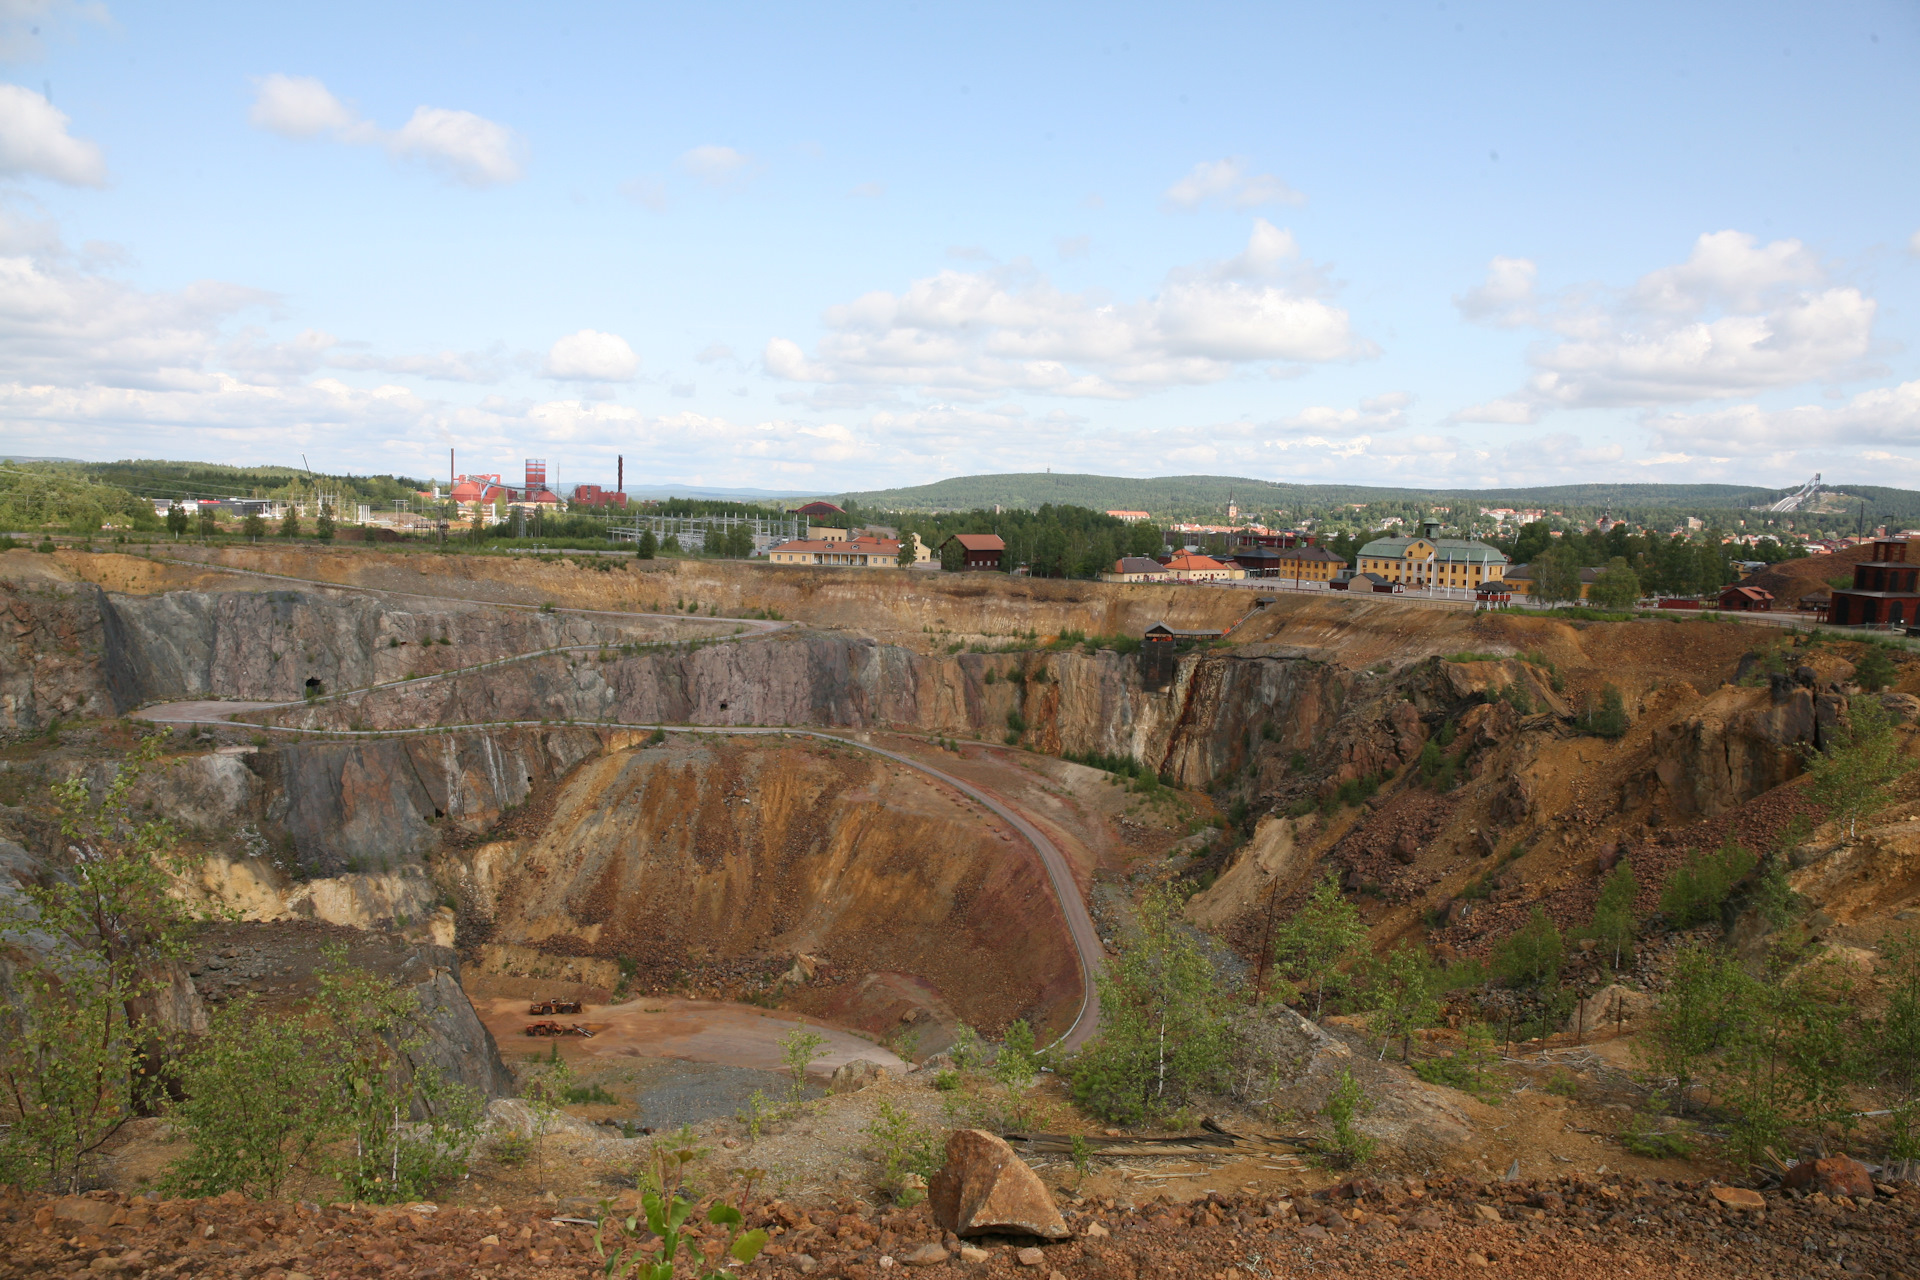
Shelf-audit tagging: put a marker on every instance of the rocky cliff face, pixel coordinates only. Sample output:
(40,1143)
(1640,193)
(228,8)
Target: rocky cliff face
(733,857)
(279,645)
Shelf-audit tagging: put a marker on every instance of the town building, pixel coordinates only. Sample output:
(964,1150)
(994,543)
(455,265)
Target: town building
(1309,564)
(1257,561)
(1135,569)
(1187,566)
(1519,580)
(1884,589)
(846,553)
(1428,560)
(817,509)
(1131,517)
(978,550)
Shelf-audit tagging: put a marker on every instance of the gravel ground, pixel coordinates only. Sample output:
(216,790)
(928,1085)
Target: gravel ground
(1571,1228)
(672,1093)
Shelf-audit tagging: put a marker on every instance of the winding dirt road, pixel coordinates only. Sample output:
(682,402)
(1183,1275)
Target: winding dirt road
(1073,908)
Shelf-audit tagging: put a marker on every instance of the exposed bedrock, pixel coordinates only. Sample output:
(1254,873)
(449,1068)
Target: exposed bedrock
(1075,702)
(267,645)
(738,855)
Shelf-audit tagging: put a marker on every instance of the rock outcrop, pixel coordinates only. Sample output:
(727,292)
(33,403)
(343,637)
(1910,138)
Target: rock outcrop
(985,1189)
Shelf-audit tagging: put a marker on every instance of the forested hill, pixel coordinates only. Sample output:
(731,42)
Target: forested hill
(1168,492)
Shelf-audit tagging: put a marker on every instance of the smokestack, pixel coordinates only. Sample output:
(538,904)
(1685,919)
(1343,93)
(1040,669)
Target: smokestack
(620,473)
(450,470)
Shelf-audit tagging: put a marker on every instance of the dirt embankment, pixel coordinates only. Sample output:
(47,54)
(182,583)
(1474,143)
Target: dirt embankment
(795,869)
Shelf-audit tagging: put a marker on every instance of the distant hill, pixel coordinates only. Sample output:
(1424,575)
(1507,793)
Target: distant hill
(1168,492)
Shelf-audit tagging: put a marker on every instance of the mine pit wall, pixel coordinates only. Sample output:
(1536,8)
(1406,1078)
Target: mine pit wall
(734,856)
(1195,730)
(261,646)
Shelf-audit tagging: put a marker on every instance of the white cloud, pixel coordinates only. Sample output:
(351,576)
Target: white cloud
(1913,245)
(301,107)
(650,193)
(1228,182)
(715,165)
(715,351)
(34,140)
(1377,413)
(23,22)
(1073,246)
(466,147)
(1885,416)
(1506,298)
(869,190)
(1736,318)
(471,148)
(983,333)
(592,356)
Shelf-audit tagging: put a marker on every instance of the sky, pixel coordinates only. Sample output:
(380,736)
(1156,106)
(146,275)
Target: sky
(822,248)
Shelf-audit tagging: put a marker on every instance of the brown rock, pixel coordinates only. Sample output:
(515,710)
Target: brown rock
(1487,1213)
(927,1255)
(984,1188)
(970,1254)
(851,1077)
(1425,1220)
(1094,1231)
(1739,1198)
(88,1213)
(1030,1257)
(1835,1175)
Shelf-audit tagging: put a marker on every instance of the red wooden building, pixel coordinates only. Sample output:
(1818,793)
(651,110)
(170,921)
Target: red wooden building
(1746,600)
(1886,589)
(979,550)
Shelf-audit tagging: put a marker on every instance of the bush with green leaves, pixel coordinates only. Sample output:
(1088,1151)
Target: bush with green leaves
(799,1049)
(1691,1019)
(328,1086)
(1894,1067)
(1854,775)
(90,945)
(1403,993)
(257,1106)
(905,1150)
(1613,927)
(1311,946)
(1531,956)
(1164,1032)
(1697,889)
(1467,1067)
(1875,670)
(1345,1104)
(619,1243)
(1605,716)
(1016,1064)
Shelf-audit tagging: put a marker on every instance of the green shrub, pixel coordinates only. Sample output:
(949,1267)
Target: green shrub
(584,1094)
(1346,1103)
(907,1151)
(1515,695)
(1644,1137)
(1701,884)
(511,1149)
(1465,1068)
(1531,957)
(1613,926)
(1606,717)
(1016,723)
(1875,670)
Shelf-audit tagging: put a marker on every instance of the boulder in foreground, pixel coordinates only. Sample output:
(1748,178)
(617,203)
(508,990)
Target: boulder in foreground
(985,1189)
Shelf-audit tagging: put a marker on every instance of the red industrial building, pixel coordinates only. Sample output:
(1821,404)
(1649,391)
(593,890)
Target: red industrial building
(1883,592)
(592,495)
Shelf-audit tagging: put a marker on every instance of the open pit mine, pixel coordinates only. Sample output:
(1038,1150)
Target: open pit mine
(919,918)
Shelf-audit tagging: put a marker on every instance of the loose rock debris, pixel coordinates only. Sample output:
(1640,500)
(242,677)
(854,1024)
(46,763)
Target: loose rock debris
(1577,1228)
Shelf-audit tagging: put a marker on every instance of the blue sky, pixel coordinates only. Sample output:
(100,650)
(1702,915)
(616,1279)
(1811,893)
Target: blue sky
(812,250)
